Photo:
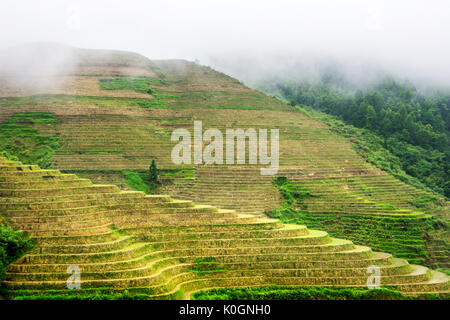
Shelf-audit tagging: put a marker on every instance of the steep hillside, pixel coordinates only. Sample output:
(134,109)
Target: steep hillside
(155,247)
(108,123)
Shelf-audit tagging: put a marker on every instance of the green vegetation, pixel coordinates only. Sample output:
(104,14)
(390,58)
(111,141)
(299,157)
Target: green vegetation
(444,270)
(178,173)
(235,107)
(164,95)
(139,181)
(294,197)
(138,84)
(423,201)
(304,293)
(206,265)
(403,235)
(19,138)
(93,296)
(152,103)
(249,293)
(404,129)
(58,99)
(13,244)
(147,182)
(292,194)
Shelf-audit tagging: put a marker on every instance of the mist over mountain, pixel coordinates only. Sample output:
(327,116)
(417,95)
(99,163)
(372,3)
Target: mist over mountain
(253,40)
(348,73)
(255,71)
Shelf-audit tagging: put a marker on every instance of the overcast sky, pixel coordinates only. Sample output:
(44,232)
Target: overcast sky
(411,36)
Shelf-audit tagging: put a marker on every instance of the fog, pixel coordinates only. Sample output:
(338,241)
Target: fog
(251,40)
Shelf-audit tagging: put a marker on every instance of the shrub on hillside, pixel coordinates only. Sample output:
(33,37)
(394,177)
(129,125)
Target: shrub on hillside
(299,293)
(13,244)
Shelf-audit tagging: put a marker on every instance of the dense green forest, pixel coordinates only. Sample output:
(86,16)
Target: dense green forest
(413,126)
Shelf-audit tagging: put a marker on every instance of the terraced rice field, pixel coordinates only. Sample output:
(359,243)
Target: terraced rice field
(166,248)
(124,130)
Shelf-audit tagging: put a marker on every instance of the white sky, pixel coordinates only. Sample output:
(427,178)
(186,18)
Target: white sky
(409,35)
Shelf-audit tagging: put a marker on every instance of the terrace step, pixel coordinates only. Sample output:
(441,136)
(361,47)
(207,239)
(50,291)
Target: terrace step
(91,230)
(44,184)
(116,244)
(61,191)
